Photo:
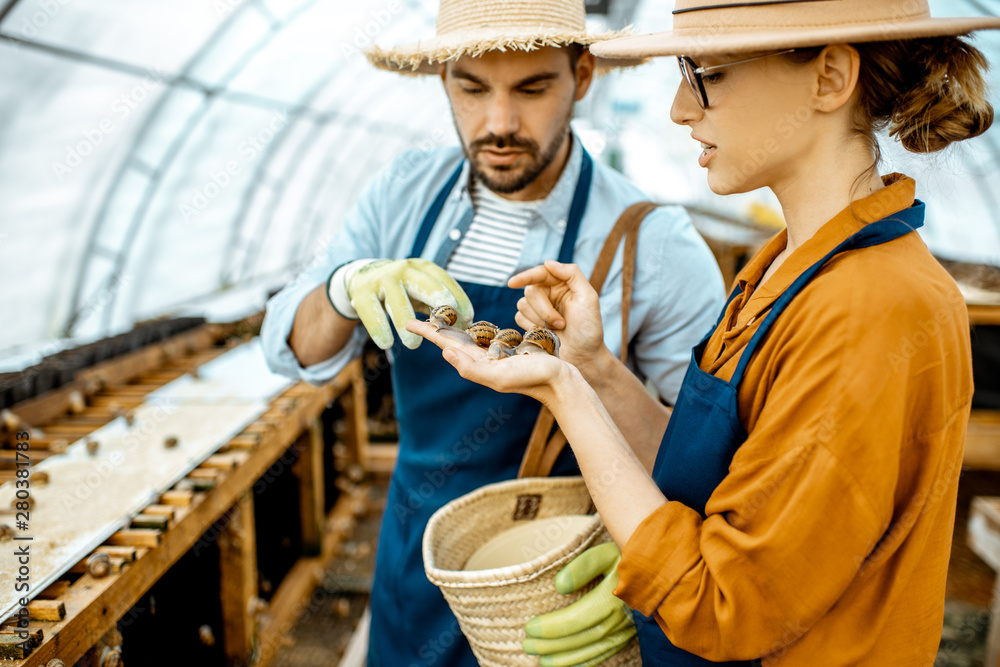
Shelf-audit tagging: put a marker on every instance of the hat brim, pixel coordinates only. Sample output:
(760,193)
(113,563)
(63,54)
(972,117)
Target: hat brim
(741,40)
(425,57)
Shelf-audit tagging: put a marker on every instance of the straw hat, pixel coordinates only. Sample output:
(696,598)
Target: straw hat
(473,27)
(704,27)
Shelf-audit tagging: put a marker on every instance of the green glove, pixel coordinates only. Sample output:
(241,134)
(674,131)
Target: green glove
(590,630)
(376,291)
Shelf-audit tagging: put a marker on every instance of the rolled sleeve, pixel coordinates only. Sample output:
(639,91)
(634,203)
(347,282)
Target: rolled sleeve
(277,327)
(646,576)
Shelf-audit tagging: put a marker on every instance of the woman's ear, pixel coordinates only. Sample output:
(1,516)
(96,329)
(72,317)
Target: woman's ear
(836,70)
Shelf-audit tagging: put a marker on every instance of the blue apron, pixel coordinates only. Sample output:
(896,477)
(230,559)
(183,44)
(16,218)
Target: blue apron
(455,436)
(705,430)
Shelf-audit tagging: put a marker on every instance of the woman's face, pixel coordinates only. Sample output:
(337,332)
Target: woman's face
(759,123)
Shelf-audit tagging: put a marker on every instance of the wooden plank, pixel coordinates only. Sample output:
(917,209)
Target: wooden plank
(355,403)
(177,498)
(54,591)
(47,610)
(136,537)
(125,553)
(381,458)
(205,473)
(238,581)
(984,315)
(245,441)
(95,605)
(308,469)
(982,441)
(152,521)
(161,510)
(12,647)
(35,635)
(220,462)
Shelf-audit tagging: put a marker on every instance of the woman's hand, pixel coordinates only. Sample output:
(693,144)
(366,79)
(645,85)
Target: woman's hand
(560,297)
(537,375)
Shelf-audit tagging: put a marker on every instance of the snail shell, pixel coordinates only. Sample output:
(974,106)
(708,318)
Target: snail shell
(482,332)
(444,316)
(538,340)
(504,343)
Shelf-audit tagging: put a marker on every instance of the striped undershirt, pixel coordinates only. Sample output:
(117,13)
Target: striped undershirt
(489,252)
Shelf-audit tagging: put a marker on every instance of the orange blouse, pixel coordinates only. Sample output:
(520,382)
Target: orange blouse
(828,541)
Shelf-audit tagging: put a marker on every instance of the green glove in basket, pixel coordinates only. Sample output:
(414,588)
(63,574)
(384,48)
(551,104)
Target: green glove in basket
(590,630)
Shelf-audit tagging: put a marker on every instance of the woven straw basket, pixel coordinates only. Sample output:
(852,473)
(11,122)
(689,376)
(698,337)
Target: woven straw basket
(492,606)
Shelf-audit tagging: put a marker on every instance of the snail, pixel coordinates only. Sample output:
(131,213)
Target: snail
(482,332)
(444,316)
(499,343)
(503,343)
(539,340)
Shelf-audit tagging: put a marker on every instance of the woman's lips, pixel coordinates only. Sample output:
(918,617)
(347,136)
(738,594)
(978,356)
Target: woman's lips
(501,159)
(707,151)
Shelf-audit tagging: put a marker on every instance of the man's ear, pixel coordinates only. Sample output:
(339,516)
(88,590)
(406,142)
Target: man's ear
(443,72)
(584,73)
(836,71)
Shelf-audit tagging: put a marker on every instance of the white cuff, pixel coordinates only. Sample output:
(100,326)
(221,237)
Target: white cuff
(336,288)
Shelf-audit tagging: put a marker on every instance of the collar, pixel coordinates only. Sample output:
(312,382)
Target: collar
(898,194)
(555,207)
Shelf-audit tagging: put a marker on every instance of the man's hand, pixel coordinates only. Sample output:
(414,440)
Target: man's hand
(560,296)
(590,630)
(388,289)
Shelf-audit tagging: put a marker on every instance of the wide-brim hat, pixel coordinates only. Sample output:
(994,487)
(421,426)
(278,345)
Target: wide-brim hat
(474,27)
(707,27)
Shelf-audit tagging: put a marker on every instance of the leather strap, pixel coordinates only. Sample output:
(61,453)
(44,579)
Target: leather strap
(543,448)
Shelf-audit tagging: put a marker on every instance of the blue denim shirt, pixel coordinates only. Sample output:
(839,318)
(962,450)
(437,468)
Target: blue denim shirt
(677,291)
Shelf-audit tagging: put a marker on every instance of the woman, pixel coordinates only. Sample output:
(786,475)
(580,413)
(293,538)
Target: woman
(801,503)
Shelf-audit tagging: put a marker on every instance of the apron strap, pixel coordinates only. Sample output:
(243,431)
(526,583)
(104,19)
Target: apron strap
(543,450)
(576,209)
(876,233)
(434,211)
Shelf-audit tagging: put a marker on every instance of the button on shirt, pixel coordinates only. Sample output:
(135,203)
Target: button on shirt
(828,541)
(677,291)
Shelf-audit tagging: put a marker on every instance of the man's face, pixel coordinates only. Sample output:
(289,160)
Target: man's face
(512,112)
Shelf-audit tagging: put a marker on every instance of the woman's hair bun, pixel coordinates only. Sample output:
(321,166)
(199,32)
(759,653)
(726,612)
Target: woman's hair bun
(927,92)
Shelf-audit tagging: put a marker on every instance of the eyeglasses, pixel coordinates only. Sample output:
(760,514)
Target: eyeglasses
(693,74)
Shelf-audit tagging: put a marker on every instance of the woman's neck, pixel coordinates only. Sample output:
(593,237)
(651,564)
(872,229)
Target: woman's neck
(821,187)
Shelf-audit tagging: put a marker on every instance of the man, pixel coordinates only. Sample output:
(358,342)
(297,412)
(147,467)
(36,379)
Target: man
(521,189)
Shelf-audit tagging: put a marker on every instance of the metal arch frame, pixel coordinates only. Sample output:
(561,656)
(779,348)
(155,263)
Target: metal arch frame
(155,174)
(252,246)
(310,210)
(129,161)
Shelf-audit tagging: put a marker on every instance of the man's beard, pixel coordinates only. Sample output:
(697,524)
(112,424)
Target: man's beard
(504,179)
